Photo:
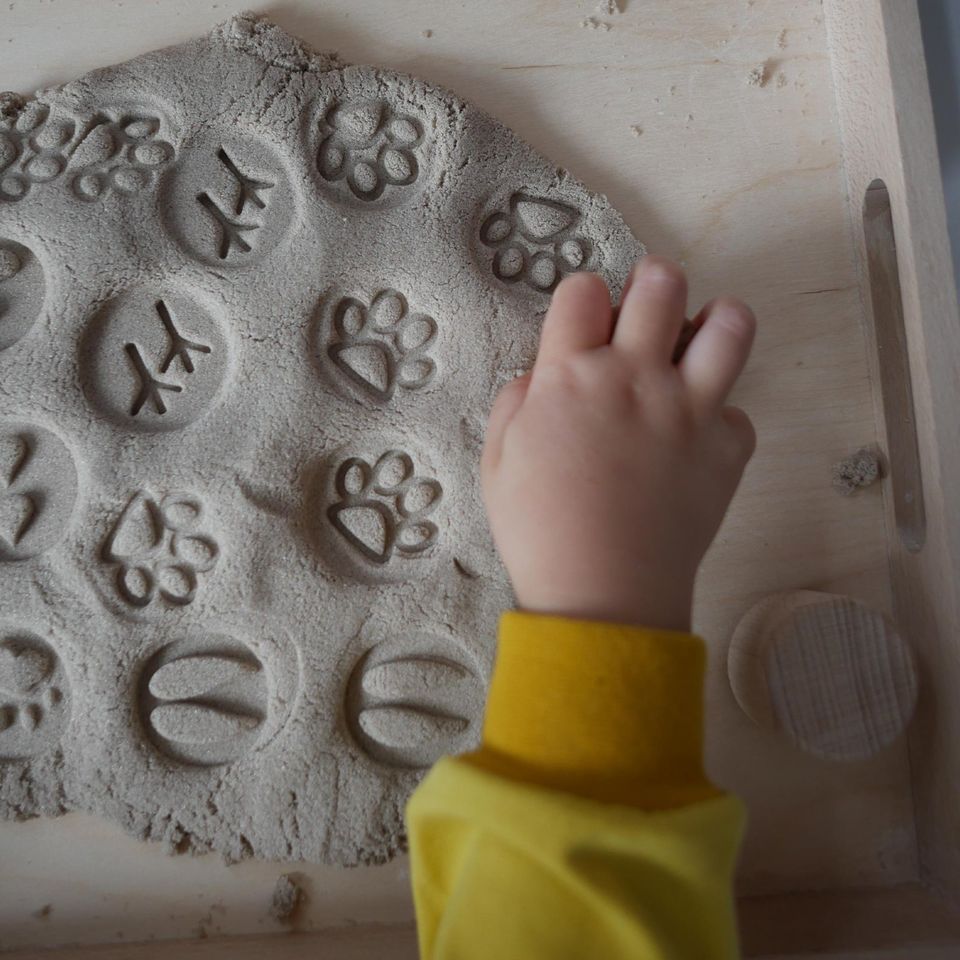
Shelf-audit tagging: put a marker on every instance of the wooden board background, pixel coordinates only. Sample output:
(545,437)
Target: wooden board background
(745,185)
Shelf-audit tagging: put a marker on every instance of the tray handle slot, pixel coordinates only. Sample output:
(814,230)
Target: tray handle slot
(894,366)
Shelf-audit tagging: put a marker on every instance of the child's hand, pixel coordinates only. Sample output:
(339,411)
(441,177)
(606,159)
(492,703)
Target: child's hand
(607,470)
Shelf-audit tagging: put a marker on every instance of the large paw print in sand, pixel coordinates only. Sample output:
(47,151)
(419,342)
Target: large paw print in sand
(369,147)
(160,550)
(384,347)
(382,509)
(535,241)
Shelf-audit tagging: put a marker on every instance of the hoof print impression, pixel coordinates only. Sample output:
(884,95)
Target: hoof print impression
(33,695)
(159,550)
(382,509)
(383,347)
(408,707)
(535,242)
(370,148)
(204,702)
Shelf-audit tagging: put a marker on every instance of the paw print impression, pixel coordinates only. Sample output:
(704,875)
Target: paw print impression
(383,347)
(33,150)
(109,152)
(535,242)
(159,550)
(381,511)
(33,695)
(119,154)
(370,148)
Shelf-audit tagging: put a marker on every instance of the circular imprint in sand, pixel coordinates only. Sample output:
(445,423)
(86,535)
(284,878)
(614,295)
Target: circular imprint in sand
(412,700)
(22,291)
(204,701)
(38,489)
(34,696)
(829,672)
(534,239)
(370,149)
(378,346)
(228,201)
(154,359)
(383,512)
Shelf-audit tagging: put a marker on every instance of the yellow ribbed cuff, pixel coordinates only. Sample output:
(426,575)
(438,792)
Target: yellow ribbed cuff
(602,710)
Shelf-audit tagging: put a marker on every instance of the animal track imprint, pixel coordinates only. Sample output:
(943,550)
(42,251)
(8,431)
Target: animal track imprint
(22,288)
(38,489)
(535,242)
(228,200)
(204,701)
(33,705)
(160,549)
(108,152)
(382,509)
(154,361)
(370,147)
(383,347)
(409,703)
(248,191)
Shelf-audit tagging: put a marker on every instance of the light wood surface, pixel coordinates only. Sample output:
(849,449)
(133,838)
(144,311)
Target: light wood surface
(746,185)
(833,675)
(884,109)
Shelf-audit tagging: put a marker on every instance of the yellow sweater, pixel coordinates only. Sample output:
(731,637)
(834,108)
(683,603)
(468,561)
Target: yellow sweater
(584,825)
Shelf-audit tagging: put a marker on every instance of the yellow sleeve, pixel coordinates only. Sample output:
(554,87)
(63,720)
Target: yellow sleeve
(584,825)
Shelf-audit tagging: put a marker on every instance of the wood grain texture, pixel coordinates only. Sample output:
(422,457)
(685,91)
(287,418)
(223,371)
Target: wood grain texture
(373,942)
(747,186)
(833,675)
(884,109)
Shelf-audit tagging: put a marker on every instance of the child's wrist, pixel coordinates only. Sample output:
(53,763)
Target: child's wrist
(661,607)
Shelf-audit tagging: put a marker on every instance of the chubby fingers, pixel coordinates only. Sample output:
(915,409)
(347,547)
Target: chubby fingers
(505,407)
(718,353)
(580,318)
(652,312)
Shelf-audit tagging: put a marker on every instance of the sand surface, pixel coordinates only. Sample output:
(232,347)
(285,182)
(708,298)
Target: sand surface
(254,306)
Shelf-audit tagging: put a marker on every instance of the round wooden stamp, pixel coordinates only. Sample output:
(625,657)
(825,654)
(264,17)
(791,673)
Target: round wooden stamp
(829,672)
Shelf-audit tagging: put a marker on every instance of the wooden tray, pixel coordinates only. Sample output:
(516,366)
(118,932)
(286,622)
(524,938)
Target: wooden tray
(760,190)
